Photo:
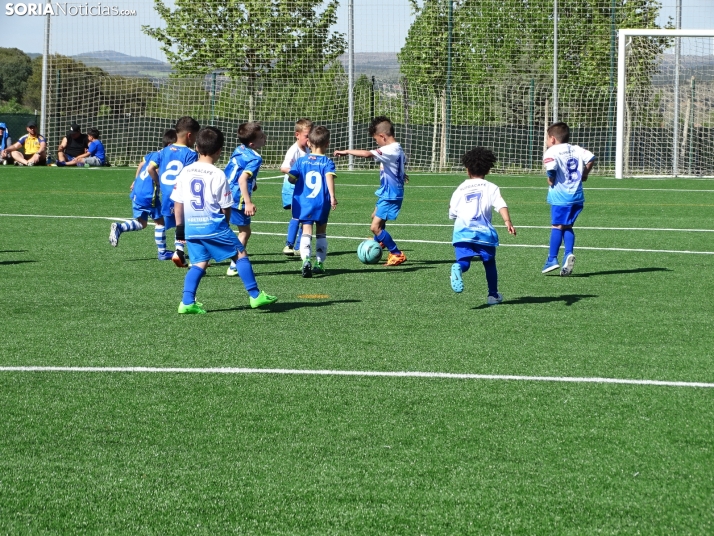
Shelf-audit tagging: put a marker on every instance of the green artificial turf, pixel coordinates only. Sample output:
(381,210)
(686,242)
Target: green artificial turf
(165,453)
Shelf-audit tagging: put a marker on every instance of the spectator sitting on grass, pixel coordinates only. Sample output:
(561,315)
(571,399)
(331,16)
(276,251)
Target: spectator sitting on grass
(34,148)
(72,145)
(94,155)
(5,142)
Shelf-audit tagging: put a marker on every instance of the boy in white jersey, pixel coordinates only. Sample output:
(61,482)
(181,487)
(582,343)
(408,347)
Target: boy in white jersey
(392,178)
(567,167)
(297,150)
(474,237)
(202,206)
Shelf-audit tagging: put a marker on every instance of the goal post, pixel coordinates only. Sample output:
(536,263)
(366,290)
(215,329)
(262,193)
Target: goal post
(652,137)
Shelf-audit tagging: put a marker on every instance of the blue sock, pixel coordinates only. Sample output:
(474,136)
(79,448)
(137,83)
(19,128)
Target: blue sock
(569,241)
(465,265)
(299,236)
(190,284)
(385,238)
(491,277)
(245,272)
(292,232)
(160,239)
(130,225)
(556,237)
(60,164)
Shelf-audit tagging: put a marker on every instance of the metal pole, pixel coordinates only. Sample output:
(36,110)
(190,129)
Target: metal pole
(620,124)
(45,59)
(555,61)
(691,126)
(449,41)
(371,102)
(531,111)
(351,79)
(611,105)
(213,98)
(675,124)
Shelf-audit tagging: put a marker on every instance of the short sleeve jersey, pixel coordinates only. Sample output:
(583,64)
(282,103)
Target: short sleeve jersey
(471,206)
(568,161)
(311,198)
(203,191)
(96,149)
(31,144)
(243,160)
(144,194)
(391,160)
(291,157)
(170,161)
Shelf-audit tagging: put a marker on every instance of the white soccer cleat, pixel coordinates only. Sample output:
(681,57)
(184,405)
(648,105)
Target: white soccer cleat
(114,233)
(568,264)
(495,300)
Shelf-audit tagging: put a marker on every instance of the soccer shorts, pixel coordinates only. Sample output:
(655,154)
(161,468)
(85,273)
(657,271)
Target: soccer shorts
(287,194)
(564,215)
(219,248)
(143,213)
(465,251)
(169,221)
(388,209)
(239,218)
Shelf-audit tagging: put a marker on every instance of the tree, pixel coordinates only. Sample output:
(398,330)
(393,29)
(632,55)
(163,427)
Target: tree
(261,42)
(15,69)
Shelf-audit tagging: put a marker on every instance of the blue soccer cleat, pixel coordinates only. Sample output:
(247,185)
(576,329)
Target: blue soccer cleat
(457,282)
(165,255)
(549,266)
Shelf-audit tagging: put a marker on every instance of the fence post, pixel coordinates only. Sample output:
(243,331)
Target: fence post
(531,126)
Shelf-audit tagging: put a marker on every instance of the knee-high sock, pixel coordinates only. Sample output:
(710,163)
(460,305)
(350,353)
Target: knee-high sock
(321,247)
(160,239)
(305,246)
(293,227)
(385,238)
(130,225)
(190,284)
(556,237)
(491,277)
(465,265)
(245,272)
(569,240)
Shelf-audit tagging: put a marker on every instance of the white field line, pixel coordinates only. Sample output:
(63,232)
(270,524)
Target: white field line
(360,373)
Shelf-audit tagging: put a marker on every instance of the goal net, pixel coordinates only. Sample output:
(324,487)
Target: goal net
(665,119)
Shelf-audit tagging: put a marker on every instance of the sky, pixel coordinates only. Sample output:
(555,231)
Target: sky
(380,26)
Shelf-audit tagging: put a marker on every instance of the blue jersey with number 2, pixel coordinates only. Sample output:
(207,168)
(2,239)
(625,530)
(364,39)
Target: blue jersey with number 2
(170,161)
(144,194)
(311,198)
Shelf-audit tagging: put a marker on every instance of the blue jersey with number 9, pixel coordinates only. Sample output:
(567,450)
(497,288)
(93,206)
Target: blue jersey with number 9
(311,198)
(170,161)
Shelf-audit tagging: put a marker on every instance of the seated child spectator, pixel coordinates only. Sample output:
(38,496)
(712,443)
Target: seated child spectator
(5,142)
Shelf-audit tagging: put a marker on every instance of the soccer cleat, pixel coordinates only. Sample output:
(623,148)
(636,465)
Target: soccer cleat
(232,271)
(307,269)
(114,233)
(165,255)
(495,300)
(289,251)
(262,299)
(319,268)
(179,258)
(457,282)
(549,266)
(568,264)
(193,309)
(395,260)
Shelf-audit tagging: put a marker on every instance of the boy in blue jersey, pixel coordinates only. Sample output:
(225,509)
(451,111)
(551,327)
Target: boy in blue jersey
(392,178)
(145,204)
(242,174)
(314,178)
(474,237)
(165,166)
(202,205)
(567,167)
(297,150)
(94,156)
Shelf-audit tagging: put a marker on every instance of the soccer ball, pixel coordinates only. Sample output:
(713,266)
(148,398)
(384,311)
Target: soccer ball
(369,252)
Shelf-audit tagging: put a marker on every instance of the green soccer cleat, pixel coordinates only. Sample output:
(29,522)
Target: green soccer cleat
(193,309)
(319,268)
(262,299)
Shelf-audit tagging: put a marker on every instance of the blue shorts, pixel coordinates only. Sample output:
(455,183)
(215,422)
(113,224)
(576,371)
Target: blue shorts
(144,213)
(388,209)
(219,248)
(69,158)
(239,218)
(287,194)
(465,251)
(169,221)
(564,215)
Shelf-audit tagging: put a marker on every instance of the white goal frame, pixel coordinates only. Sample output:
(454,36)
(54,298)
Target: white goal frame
(623,35)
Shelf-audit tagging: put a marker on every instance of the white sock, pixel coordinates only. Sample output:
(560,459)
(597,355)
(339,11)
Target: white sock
(321,247)
(305,247)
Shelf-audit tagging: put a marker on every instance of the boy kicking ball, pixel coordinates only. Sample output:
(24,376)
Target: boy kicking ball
(474,237)
(202,206)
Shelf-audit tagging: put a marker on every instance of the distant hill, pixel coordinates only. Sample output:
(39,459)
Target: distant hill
(382,65)
(120,64)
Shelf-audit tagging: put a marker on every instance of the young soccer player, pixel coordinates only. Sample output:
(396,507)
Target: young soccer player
(567,167)
(297,150)
(392,179)
(202,204)
(474,237)
(146,203)
(314,196)
(164,167)
(242,174)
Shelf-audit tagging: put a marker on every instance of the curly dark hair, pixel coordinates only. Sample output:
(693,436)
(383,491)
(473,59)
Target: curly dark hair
(381,124)
(479,161)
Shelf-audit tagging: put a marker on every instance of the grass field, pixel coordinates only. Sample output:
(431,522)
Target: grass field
(268,452)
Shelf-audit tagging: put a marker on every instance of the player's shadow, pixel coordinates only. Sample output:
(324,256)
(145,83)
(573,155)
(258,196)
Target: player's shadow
(142,259)
(567,299)
(282,307)
(7,263)
(331,272)
(14,251)
(616,272)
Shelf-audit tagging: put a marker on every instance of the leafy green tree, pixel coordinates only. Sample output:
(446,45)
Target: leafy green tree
(264,43)
(15,69)
(32,98)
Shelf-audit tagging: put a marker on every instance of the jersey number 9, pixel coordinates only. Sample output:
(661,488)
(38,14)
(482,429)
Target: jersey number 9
(197,188)
(313,181)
